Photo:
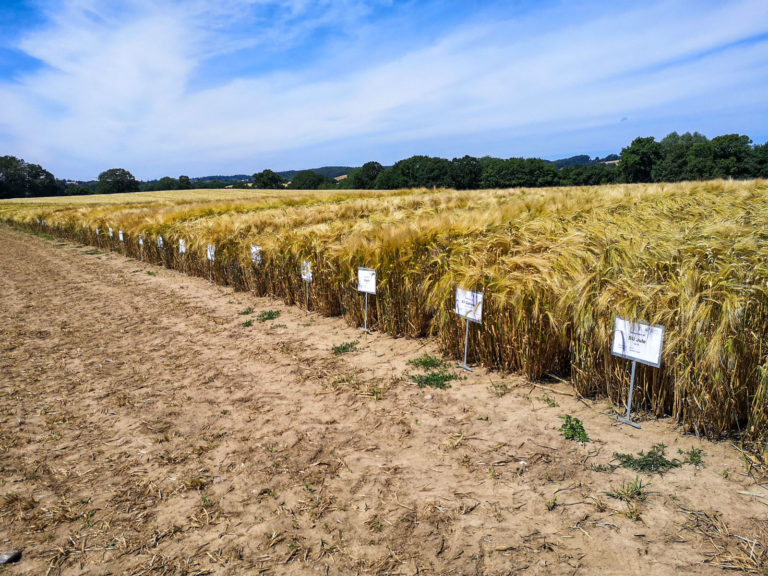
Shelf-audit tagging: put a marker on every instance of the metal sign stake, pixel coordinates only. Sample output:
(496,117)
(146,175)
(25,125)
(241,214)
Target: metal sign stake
(365,321)
(184,263)
(627,420)
(466,345)
(306,298)
(210,272)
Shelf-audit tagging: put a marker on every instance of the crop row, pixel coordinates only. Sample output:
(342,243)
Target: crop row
(555,266)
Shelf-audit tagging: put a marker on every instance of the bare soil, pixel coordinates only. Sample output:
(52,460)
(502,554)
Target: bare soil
(144,429)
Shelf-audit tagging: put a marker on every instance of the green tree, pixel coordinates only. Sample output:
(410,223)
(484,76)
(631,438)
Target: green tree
(19,179)
(421,171)
(466,173)
(364,178)
(167,183)
(637,160)
(268,180)
(115,181)
(307,180)
(184,183)
(731,154)
(760,161)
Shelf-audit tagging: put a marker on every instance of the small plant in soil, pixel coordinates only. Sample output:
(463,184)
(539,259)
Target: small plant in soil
(268,315)
(573,429)
(434,372)
(247,324)
(345,347)
(427,362)
(151,273)
(247,311)
(551,403)
(630,492)
(551,503)
(692,456)
(654,461)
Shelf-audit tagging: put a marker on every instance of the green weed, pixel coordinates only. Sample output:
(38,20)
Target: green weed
(268,315)
(654,461)
(573,429)
(346,347)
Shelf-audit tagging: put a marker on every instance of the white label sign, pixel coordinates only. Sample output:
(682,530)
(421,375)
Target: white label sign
(306,271)
(469,305)
(111,234)
(120,235)
(97,230)
(211,252)
(141,240)
(638,341)
(159,241)
(366,280)
(255,254)
(182,246)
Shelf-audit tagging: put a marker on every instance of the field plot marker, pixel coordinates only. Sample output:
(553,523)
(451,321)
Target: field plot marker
(122,240)
(638,342)
(469,305)
(160,245)
(210,253)
(183,252)
(256,260)
(306,275)
(366,283)
(141,248)
(98,238)
(111,236)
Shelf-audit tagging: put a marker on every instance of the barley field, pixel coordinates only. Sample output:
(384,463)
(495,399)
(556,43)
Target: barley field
(555,266)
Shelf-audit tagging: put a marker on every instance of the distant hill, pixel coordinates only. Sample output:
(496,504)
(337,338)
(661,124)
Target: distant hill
(585,160)
(329,172)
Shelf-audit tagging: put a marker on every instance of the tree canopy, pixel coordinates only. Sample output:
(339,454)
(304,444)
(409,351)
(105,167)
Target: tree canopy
(268,180)
(19,179)
(116,181)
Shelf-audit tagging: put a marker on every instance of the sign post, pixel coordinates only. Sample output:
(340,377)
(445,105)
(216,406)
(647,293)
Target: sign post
(469,305)
(256,260)
(141,248)
(210,252)
(111,236)
(306,275)
(122,240)
(638,342)
(98,238)
(366,283)
(183,252)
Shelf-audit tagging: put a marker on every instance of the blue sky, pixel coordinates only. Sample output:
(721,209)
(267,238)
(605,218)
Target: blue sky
(204,87)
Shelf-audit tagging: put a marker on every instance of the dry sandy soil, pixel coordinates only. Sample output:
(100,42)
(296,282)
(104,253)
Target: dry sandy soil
(145,430)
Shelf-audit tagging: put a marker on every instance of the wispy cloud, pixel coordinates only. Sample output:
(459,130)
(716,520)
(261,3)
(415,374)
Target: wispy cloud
(215,87)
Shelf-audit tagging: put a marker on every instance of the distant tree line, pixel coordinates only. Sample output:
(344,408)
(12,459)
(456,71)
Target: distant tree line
(674,158)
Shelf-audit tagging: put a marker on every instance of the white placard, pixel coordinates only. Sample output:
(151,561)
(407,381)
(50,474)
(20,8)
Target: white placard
(366,280)
(159,241)
(182,246)
(210,252)
(638,341)
(255,254)
(97,230)
(306,271)
(469,305)
(141,240)
(111,234)
(120,235)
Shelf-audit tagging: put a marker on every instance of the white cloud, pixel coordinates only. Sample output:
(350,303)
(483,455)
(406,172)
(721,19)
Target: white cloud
(119,89)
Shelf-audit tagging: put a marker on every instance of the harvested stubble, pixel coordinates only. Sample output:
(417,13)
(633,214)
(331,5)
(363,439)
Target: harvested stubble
(555,266)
